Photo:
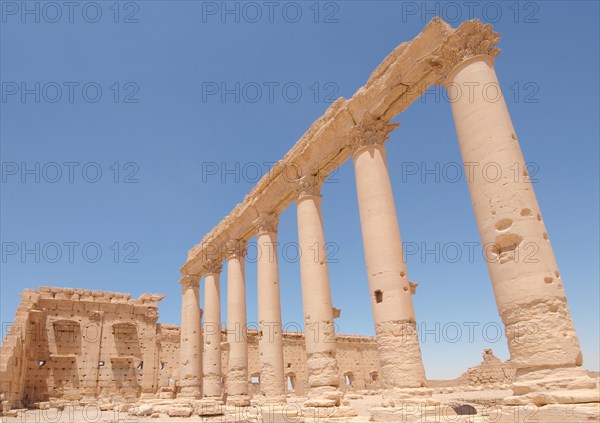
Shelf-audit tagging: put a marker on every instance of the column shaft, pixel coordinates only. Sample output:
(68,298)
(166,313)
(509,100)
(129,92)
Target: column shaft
(390,293)
(212,333)
(527,284)
(319,331)
(237,372)
(190,349)
(270,341)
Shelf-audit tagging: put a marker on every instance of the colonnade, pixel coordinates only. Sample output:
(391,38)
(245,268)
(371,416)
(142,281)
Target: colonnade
(508,217)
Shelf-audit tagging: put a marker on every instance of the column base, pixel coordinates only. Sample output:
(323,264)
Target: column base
(323,396)
(401,397)
(189,394)
(238,400)
(570,385)
(189,388)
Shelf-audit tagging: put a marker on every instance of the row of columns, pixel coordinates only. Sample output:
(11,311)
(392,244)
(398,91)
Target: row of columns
(507,214)
(388,282)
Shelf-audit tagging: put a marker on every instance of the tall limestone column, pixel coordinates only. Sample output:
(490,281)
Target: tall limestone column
(390,291)
(190,350)
(270,338)
(321,364)
(213,379)
(237,371)
(527,284)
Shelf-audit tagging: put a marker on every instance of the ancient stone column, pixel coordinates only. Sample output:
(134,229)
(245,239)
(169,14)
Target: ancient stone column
(213,379)
(190,350)
(389,288)
(527,284)
(270,338)
(237,372)
(321,364)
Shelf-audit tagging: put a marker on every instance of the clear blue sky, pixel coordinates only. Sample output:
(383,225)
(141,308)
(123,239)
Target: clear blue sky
(167,140)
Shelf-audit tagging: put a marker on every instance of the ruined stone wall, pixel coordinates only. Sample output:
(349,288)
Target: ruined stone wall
(356,356)
(74,344)
(168,354)
(491,372)
(13,354)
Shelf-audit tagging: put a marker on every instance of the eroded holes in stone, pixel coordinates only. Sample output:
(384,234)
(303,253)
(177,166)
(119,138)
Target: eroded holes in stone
(539,217)
(525,212)
(545,235)
(41,363)
(493,212)
(378,296)
(525,173)
(506,242)
(405,289)
(548,279)
(503,224)
(402,274)
(556,274)
(513,136)
(553,308)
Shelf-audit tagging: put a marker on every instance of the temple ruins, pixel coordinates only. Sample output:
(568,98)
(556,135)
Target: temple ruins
(528,295)
(216,364)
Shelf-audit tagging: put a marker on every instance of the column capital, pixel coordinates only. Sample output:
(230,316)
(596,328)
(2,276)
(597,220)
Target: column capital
(235,249)
(370,131)
(189,281)
(266,222)
(308,186)
(212,267)
(472,39)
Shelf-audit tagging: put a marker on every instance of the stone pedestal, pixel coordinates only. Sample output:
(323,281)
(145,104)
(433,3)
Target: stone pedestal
(390,291)
(190,350)
(319,330)
(237,370)
(213,379)
(527,284)
(270,337)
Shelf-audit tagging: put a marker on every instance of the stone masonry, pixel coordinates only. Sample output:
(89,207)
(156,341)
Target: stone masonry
(80,345)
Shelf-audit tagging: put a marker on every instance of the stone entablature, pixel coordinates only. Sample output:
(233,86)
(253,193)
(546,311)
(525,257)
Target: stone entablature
(403,76)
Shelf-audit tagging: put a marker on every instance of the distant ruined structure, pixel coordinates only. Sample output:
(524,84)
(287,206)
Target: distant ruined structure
(81,345)
(492,372)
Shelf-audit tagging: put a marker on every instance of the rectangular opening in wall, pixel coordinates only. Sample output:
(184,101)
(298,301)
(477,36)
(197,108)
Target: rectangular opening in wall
(378,296)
